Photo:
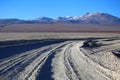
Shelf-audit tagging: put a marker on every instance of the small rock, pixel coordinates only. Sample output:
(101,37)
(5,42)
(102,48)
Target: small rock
(91,44)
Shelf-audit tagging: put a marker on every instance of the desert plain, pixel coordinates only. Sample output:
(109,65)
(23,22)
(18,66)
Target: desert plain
(59,56)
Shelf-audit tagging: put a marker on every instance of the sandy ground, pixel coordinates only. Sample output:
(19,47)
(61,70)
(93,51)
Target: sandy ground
(46,35)
(59,27)
(65,60)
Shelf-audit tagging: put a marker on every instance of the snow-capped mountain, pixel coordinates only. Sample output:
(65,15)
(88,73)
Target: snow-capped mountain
(60,20)
(68,19)
(88,18)
(44,20)
(100,18)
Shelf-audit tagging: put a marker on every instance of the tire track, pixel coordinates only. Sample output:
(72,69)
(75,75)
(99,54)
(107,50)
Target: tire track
(71,73)
(18,65)
(85,67)
(15,65)
(47,68)
(74,65)
(59,61)
(62,69)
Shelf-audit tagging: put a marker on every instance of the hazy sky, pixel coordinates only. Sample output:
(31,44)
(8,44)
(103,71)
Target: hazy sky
(30,9)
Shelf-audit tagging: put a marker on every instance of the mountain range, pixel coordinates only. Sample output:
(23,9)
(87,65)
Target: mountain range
(90,22)
(88,18)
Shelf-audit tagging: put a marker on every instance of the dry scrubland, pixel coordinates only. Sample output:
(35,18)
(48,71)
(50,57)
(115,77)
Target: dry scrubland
(46,35)
(66,60)
(59,27)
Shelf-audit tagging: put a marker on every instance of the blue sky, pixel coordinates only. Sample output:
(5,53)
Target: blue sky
(30,9)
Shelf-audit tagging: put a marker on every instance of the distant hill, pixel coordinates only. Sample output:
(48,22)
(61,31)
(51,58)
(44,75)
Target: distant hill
(88,18)
(90,22)
(5,22)
(100,18)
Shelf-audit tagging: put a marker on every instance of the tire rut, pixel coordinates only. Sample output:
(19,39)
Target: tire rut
(47,68)
(71,72)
